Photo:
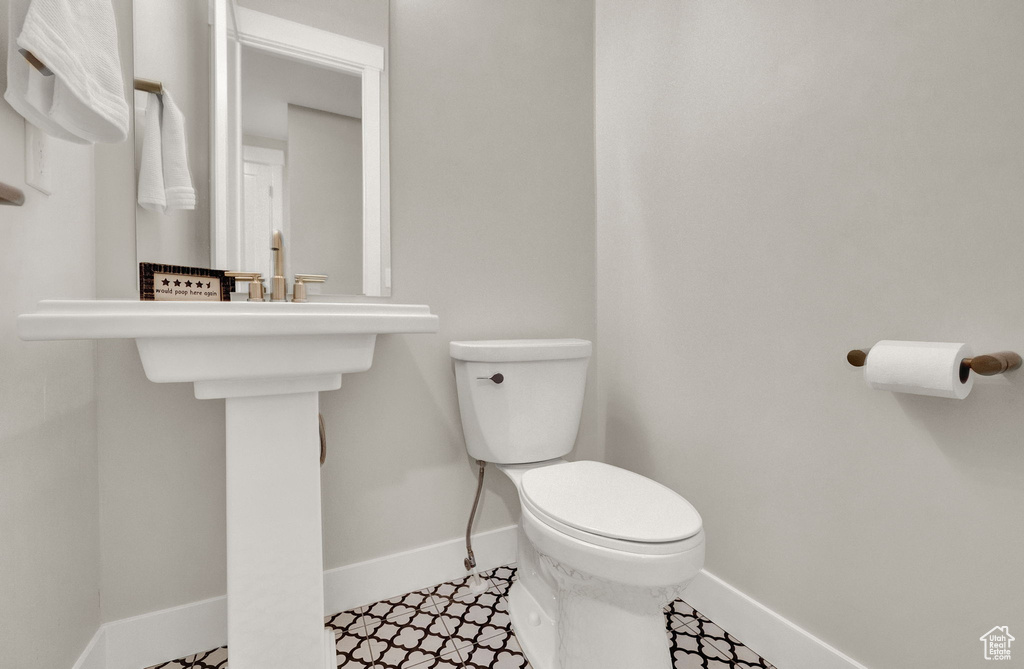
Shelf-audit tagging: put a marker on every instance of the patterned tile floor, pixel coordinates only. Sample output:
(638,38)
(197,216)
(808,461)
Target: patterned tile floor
(449,627)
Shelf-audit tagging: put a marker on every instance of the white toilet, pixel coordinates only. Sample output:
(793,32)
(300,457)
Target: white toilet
(602,550)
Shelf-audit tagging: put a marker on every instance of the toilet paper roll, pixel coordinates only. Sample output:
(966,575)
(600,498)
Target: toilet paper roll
(918,367)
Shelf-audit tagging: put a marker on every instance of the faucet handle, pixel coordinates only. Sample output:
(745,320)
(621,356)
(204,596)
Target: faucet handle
(255,279)
(299,289)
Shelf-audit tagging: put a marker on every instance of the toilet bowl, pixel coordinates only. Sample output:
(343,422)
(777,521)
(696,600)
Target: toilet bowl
(601,550)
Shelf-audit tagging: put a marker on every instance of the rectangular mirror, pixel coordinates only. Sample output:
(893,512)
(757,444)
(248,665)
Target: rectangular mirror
(297,142)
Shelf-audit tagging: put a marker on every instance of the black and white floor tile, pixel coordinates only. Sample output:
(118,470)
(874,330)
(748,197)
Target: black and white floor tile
(449,626)
(211,659)
(697,643)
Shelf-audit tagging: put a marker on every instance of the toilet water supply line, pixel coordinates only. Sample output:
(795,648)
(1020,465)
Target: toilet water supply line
(323,441)
(476,584)
(470,560)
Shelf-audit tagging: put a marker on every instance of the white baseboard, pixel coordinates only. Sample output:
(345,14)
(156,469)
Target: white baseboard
(95,654)
(392,575)
(765,632)
(152,638)
(142,641)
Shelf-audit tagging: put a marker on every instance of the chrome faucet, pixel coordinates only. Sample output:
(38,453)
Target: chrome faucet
(278,289)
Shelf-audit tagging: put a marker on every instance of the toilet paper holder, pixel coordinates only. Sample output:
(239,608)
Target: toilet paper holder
(986,365)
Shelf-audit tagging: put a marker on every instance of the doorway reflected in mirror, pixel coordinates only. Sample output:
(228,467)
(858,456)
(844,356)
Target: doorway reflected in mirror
(302,171)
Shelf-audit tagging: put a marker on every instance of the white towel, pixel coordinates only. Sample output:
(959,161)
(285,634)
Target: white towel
(25,82)
(165,183)
(84,100)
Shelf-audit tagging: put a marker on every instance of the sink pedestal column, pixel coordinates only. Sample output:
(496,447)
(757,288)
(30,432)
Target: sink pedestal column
(274,544)
(268,362)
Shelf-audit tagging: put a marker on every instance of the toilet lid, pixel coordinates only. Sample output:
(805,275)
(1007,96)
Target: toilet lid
(610,502)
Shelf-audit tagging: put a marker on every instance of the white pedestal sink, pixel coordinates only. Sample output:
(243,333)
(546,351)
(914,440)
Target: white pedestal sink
(268,361)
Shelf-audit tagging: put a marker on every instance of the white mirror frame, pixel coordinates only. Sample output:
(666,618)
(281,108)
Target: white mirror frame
(303,43)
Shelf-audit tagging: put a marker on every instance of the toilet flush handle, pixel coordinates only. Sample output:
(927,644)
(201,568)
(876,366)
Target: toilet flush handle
(497,378)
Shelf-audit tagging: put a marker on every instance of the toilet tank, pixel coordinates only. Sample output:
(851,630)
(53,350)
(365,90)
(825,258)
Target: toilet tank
(533,414)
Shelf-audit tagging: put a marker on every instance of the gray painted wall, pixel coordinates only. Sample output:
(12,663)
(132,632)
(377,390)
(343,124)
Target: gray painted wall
(497,247)
(325,197)
(49,546)
(781,182)
(492,226)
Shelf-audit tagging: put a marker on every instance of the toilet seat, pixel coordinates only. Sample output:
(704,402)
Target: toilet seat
(611,507)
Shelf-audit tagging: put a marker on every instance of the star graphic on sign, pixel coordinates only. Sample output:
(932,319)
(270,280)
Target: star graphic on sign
(188,284)
(177,282)
(166,282)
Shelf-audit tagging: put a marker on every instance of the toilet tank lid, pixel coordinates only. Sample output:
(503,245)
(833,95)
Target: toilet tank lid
(610,502)
(520,350)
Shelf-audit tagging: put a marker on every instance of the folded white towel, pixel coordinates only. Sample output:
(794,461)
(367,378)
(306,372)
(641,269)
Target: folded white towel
(25,83)
(151,194)
(84,100)
(165,183)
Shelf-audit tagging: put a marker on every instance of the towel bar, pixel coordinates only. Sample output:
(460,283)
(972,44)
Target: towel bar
(149,86)
(35,62)
(986,365)
(145,85)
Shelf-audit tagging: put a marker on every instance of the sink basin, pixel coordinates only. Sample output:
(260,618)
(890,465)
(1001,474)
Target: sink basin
(269,361)
(232,349)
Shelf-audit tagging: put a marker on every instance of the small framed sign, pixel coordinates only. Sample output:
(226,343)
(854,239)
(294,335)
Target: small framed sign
(175,283)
